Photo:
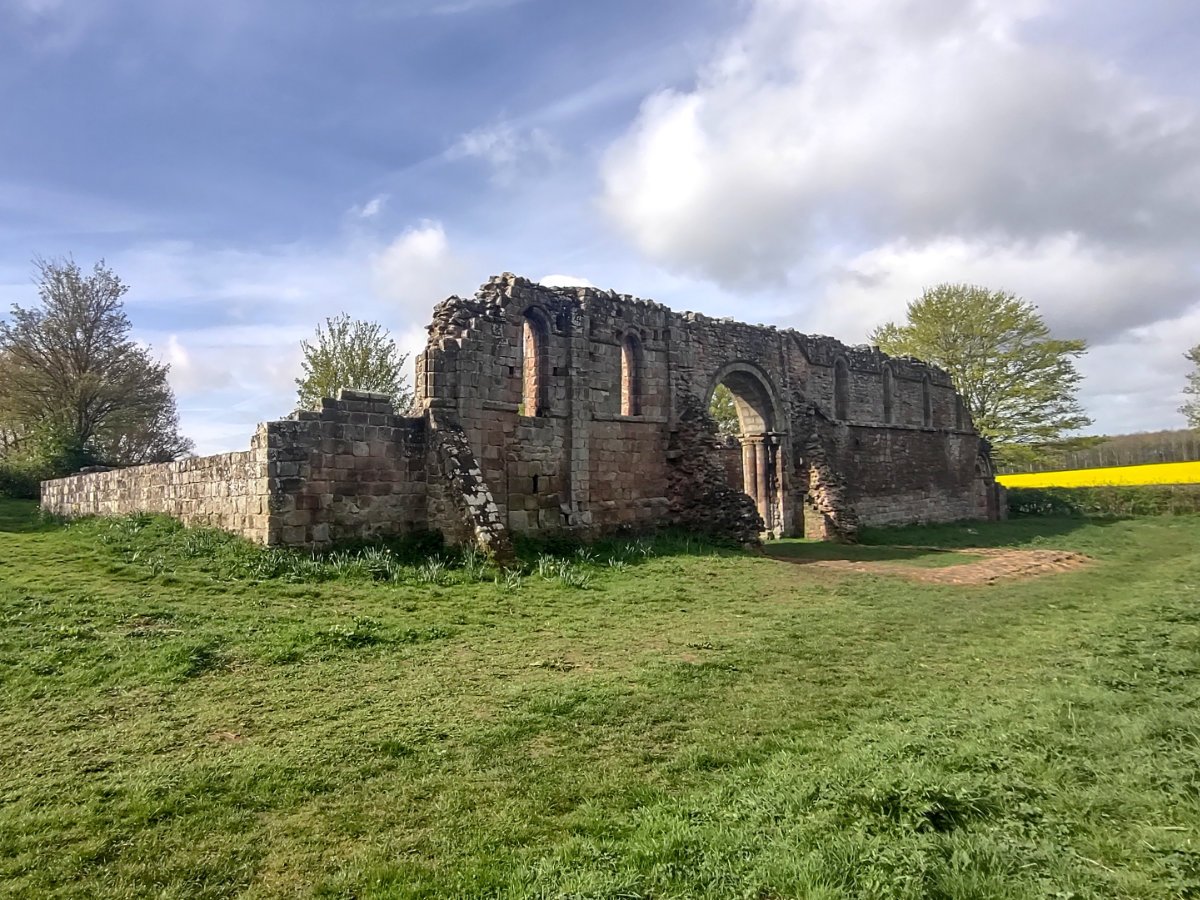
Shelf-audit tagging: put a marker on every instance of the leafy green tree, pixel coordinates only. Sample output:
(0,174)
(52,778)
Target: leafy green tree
(351,353)
(73,384)
(1191,407)
(724,411)
(1017,381)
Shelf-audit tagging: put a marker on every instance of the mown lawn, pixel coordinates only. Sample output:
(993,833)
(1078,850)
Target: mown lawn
(184,717)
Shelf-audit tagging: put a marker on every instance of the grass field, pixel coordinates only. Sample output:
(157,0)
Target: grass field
(1158,473)
(184,717)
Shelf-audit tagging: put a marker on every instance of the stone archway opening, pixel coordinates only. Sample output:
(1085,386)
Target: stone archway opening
(752,446)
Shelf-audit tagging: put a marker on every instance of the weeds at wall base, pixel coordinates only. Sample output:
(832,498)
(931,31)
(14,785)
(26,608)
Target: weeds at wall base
(162,546)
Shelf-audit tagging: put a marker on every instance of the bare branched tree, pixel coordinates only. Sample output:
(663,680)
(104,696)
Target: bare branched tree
(69,368)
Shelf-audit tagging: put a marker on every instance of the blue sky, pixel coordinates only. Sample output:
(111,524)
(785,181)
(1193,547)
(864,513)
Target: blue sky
(251,167)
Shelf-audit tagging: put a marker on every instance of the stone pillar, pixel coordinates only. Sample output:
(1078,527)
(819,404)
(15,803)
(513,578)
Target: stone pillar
(749,478)
(576,507)
(763,496)
(774,484)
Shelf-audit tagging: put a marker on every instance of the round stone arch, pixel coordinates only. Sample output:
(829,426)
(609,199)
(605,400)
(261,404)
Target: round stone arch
(765,451)
(754,395)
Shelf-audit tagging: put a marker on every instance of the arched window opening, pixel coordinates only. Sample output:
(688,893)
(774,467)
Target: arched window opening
(631,376)
(960,413)
(535,335)
(889,390)
(841,389)
(926,403)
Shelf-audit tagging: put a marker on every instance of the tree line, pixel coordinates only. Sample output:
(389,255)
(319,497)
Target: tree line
(1140,449)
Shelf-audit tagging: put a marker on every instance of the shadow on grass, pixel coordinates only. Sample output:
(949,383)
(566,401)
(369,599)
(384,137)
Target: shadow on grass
(24,517)
(804,552)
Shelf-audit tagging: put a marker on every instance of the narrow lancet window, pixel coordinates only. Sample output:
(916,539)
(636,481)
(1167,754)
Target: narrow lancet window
(631,376)
(534,352)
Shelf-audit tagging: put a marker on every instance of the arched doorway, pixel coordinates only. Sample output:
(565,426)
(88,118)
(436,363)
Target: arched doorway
(743,404)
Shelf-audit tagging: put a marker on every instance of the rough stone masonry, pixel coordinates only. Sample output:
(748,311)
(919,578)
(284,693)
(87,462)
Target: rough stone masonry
(579,411)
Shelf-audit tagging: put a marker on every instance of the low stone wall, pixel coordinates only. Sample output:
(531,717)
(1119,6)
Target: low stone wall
(353,470)
(227,491)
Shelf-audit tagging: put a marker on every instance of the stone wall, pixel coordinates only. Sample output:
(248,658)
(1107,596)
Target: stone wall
(574,410)
(588,412)
(229,491)
(353,470)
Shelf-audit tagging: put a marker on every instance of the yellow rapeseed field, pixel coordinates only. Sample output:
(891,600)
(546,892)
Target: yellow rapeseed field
(1160,473)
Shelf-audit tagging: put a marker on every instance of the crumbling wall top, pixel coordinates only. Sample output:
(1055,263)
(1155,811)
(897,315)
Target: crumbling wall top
(455,315)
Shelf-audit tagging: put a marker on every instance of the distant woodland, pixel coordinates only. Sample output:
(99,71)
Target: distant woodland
(1143,448)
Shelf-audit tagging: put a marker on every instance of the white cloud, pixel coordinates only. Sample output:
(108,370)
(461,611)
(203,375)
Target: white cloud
(1136,383)
(510,151)
(404,9)
(189,376)
(564,281)
(34,7)
(371,208)
(418,269)
(1084,290)
(53,26)
(459,7)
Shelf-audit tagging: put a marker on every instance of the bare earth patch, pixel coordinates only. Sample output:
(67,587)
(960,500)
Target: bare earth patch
(995,565)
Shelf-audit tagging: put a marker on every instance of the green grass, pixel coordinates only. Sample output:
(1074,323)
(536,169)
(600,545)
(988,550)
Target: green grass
(184,716)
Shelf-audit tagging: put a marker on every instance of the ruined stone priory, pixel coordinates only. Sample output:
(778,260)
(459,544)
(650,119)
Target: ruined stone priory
(577,411)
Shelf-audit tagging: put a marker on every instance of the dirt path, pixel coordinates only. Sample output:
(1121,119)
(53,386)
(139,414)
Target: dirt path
(997,564)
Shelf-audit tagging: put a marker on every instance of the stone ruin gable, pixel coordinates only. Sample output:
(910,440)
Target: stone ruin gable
(550,410)
(561,447)
(564,455)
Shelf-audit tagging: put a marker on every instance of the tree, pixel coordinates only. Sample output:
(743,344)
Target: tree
(73,385)
(1018,383)
(350,353)
(724,410)
(1191,407)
